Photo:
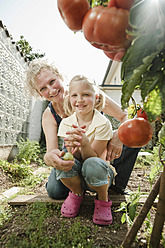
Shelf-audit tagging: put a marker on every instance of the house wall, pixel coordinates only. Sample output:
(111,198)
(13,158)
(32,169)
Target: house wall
(20,116)
(114,74)
(115,92)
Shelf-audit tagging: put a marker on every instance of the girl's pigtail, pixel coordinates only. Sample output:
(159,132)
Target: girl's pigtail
(67,106)
(100,102)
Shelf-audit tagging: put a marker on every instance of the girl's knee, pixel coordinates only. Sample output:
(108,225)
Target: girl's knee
(95,171)
(94,166)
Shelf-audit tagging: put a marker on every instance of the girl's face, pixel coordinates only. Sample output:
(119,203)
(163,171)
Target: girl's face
(82,97)
(49,86)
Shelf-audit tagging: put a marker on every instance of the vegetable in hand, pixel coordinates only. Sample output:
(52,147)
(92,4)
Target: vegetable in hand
(68,156)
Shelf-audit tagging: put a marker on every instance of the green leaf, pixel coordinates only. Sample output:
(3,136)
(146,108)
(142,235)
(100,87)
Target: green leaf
(132,211)
(135,64)
(123,218)
(128,219)
(143,65)
(161,135)
(158,63)
(140,52)
(148,83)
(134,78)
(153,106)
(123,206)
(27,50)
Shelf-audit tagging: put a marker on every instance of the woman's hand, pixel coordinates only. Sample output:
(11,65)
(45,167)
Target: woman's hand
(114,147)
(53,158)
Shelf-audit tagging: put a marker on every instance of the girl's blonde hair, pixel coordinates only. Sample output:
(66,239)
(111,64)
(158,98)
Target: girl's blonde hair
(34,69)
(100,102)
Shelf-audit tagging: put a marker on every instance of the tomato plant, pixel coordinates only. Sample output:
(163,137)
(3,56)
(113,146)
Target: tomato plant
(105,28)
(141,113)
(73,12)
(135,132)
(143,65)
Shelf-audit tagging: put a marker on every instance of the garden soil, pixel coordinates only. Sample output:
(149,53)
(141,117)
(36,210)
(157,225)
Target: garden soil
(105,235)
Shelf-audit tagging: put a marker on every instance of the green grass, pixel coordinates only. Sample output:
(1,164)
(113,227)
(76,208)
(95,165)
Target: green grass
(36,230)
(37,226)
(30,151)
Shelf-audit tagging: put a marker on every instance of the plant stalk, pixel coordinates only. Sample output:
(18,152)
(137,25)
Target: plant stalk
(160,214)
(141,216)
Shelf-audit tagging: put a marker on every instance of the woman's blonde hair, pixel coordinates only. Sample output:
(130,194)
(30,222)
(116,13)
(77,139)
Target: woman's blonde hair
(34,68)
(100,102)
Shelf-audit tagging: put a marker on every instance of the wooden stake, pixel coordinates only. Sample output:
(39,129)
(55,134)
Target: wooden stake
(141,216)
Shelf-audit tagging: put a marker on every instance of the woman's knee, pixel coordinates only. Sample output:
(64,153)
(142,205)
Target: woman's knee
(57,192)
(55,188)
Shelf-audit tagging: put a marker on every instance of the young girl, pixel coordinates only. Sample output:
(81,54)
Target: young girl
(87,131)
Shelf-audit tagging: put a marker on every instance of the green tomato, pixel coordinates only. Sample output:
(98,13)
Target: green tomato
(68,156)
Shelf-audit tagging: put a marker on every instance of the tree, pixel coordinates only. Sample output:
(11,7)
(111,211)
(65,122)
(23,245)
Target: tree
(27,50)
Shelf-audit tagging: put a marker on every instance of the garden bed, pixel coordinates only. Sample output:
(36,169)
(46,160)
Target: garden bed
(43,226)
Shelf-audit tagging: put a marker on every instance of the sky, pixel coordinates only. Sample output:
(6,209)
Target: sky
(40,23)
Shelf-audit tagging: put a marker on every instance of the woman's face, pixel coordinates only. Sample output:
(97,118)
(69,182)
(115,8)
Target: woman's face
(50,86)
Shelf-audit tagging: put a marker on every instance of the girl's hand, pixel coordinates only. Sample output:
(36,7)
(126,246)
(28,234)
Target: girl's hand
(76,138)
(53,158)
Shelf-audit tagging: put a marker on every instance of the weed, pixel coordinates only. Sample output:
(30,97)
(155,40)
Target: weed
(35,231)
(129,207)
(76,236)
(5,214)
(148,226)
(153,161)
(30,151)
(116,226)
(14,170)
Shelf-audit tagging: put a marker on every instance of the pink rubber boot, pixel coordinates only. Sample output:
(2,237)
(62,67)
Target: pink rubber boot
(71,205)
(102,213)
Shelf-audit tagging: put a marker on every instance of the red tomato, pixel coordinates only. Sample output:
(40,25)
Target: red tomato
(73,12)
(105,28)
(124,4)
(135,132)
(141,113)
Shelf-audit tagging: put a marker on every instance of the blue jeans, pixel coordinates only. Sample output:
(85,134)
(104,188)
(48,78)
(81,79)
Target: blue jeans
(94,171)
(124,166)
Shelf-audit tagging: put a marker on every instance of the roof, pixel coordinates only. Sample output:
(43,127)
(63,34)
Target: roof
(113,71)
(13,42)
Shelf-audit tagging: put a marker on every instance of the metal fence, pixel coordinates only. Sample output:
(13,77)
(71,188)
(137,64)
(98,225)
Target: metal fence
(14,103)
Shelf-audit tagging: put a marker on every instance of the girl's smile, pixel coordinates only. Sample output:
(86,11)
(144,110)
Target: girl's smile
(82,97)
